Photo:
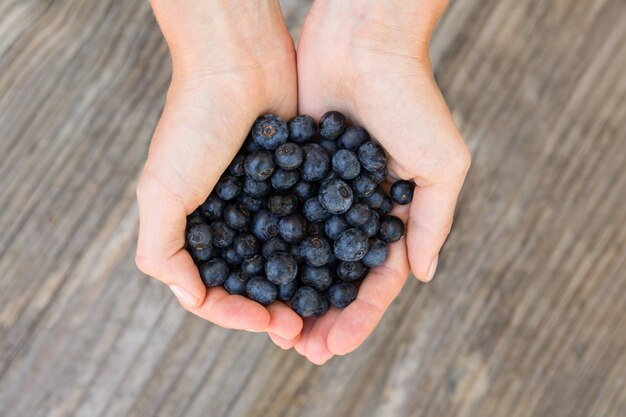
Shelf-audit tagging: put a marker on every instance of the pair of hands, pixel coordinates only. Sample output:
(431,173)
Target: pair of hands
(235,60)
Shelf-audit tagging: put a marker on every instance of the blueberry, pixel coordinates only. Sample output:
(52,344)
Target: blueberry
(281,268)
(315,229)
(315,250)
(346,164)
(332,124)
(223,235)
(308,303)
(364,185)
(294,250)
(250,146)
(372,156)
(236,283)
(228,187)
(391,229)
(351,271)
(252,204)
(282,205)
(283,180)
(353,137)
(358,215)
(231,256)
(212,208)
(370,228)
(313,210)
(402,192)
(273,245)
(236,217)
(385,206)
(304,190)
(264,225)
(323,307)
(317,277)
(259,165)
(301,128)
(270,131)
(379,176)
(329,146)
(203,255)
(236,166)
(253,266)
(316,162)
(286,291)
(199,236)
(256,189)
(352,245)
(195,217)
(213,272)
(335,226)
(261,290)
(293,228)
(289,156)
(341,294)
(246,245)
(376,254)
(336,196)
(375,200)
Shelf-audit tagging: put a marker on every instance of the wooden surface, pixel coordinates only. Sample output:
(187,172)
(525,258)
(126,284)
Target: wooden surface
(527,316)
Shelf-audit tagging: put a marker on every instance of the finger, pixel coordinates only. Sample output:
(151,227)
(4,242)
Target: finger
(282,342)
(300,345)
(317,350)
(284,322)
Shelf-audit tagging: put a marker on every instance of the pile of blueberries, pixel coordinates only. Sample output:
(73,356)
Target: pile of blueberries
(299,216)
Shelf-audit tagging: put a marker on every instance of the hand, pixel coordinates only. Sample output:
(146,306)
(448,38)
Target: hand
(370,61)
(223,78)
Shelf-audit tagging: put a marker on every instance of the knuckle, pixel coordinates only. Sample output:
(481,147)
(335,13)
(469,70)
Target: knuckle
(461,161)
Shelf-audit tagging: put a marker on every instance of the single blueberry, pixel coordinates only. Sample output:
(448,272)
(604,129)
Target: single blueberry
(385,206)
(301,128)
(282,204)
(253,266)
(199,236)
(203,255)
(264,225)
(281,268)
(270,131)
(259,165)
(273,245)
(228,187)
(213,272)
(358,215)
(308,303)
(250,146)
(353,137)
(293,228)
(351,271)
(223,235)
(376,254)
(313,210)
(335,226)
(341,294)
(253,204)
(236,216)
(231,256)
(372,156)
(336,196)
(256,189)
(286,291)
(283,180)
(352,245)
(316,162)
(323,307)
(317,277)
(315,250)
(236,166)
(304,190)
(402,192)
(195,217)
(246,245)
(346,164)
(332,124)
(370,228)
(391,229)
(363,185)
(261,290)
(375,200)
(329,146)
(235,283)
(289,156)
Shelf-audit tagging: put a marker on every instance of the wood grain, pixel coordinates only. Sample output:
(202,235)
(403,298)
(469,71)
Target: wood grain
(527,316)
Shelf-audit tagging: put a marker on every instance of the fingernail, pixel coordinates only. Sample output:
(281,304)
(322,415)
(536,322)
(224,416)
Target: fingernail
(433,268)
(184,296)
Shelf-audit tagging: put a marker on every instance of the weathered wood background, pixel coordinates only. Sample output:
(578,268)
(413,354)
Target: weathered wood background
(527,316)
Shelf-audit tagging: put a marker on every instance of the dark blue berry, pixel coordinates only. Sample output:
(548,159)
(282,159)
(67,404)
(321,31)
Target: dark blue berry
(213,272)
(270,131)
(246,245)
(351,271)
(236,167)
(304,190)
(352,245)
(341,294)
(353,137)
(264,225)
(370,228)
(391,229)
(315,250)
(281,268)
(376,254)
(293,228)
(385,206)
(253,266)
(363,185)
(358,215)
(402,192)
(379,176)
(199,236)
(195,217)
(336,196)
(335,226)
(285,292)
(256,189)
(372,156)
(228,187)
(282,205)
(236,217)
(346,164)
(289,156)
(200,256)
(282,180)
(235,283)
(332,124)
(250,146)
(313,210)
(317,277)
(231,256)
(274,245)
(329,146)
(316,162)
(223,235)
(252,204)
(301,128)
(375,200)
(261,290)
(259,165)
(308,303)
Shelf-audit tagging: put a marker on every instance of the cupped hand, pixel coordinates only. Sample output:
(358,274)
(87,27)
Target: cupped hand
(372,64)
(223,78)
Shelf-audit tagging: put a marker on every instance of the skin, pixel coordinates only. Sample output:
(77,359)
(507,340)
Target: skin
(365,58)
